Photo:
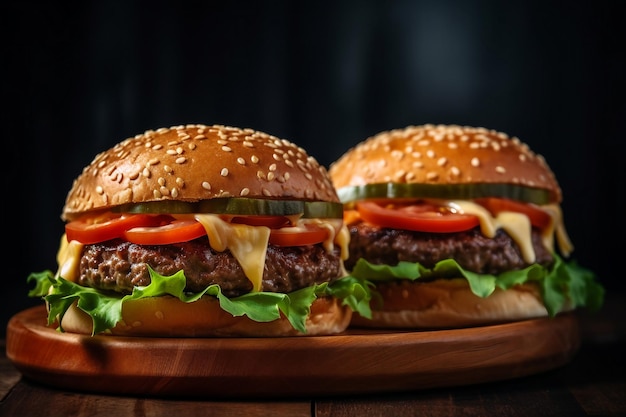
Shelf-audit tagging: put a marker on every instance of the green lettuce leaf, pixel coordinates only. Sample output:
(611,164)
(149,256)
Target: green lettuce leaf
(564,282)
(105,308)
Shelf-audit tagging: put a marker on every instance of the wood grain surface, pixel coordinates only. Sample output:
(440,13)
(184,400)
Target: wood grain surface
(356,362)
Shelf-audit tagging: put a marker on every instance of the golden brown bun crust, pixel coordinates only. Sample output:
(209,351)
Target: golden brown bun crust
(443,154)
(169,317)
(198,162)
(449,303)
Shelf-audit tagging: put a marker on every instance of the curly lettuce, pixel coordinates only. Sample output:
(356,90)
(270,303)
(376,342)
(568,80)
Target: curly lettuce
(564,282)
(105,308)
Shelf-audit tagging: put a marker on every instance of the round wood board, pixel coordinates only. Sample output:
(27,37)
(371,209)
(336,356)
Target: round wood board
(355,362)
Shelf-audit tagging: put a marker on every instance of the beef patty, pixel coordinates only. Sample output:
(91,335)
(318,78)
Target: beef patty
(471,249)
(118,265)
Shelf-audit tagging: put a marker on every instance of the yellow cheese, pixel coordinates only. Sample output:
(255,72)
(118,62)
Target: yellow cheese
(557,226)
(248,244)
(68,258)
(518,226)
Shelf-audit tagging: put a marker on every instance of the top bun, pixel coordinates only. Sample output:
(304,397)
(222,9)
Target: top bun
(444,154)
(197,162)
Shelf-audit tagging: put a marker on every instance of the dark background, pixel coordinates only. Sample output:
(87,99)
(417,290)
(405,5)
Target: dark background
(81,76)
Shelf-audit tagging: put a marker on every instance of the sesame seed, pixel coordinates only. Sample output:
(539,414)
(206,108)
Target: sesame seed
(254,159)
(224,172)
(500,169)
(272,167)
(181,160)
(146,173)
(432,176)
(161,181)
(270,176)
(206,185)
(241,161)
(167,169)
(179,150)
(180,182)
(227,149)
(244,192)
(430,153)
(442,161)
(174,192)
(99,190)
(267,192)
(475,162)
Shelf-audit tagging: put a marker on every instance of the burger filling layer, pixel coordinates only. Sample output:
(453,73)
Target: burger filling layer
(119,266)
(471,249)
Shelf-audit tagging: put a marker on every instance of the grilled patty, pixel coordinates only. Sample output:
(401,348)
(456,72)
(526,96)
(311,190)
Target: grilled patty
(118,265)
(471,249)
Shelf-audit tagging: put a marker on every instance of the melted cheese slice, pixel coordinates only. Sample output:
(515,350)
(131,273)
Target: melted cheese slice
(248,244)
(518,226)
(68,258)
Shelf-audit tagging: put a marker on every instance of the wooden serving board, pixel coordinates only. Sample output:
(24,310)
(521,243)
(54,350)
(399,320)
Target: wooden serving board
(354,362)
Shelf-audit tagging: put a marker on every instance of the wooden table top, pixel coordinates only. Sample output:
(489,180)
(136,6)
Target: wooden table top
(592,383)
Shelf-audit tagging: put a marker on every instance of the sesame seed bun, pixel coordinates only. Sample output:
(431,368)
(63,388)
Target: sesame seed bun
(194,163)
(153,176)
(443,154)
(440,155)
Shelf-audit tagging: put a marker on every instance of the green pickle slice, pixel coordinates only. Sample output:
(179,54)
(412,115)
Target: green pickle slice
(240,206)
(444,191)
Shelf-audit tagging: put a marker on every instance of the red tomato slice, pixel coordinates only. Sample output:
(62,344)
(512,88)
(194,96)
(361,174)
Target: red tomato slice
(107,226)
(273,222)
(175,231)
(538,217)
(419,217)
(298,236)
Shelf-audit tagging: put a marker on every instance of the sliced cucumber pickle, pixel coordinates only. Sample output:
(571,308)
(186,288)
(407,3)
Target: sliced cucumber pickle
(449,191)
(240,206)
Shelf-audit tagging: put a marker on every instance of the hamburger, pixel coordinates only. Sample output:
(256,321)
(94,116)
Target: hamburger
(200,230)
(457,226)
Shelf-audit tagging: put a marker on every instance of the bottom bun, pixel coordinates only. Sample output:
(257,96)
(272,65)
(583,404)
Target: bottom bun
(449,303)
(167,316)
